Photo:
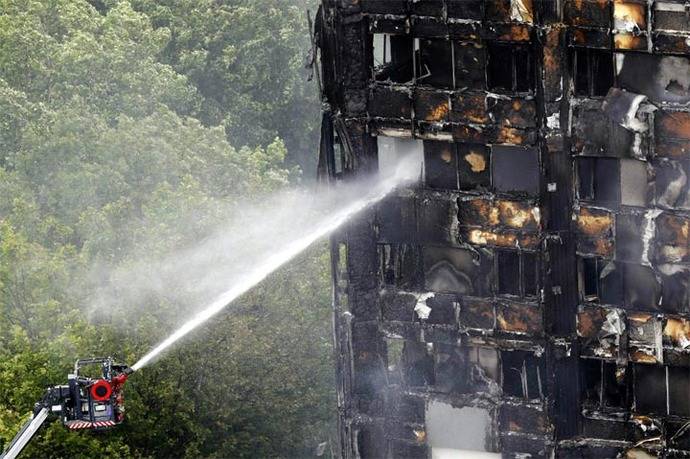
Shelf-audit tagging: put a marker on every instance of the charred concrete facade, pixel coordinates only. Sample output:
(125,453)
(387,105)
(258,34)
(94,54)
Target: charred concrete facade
(531,294)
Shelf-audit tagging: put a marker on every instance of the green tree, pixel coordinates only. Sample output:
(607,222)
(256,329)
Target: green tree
(118,121)
(247,58)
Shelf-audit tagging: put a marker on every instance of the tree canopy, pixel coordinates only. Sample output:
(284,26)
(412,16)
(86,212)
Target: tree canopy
(125,128)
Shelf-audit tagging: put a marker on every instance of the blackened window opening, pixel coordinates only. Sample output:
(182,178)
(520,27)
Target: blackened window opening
(517,273)
(593,72)
(599,386)
(435,63)
(510,67)
(599,180)
(393,58)
(522,375)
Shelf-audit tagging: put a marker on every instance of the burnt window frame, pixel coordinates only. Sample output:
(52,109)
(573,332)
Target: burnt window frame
(605,378)
(654,13)
(591,196)
(481,278)
(464,361)
(584,272)
(459,55)
(530,361)
(522,290)
(420,77)
(591,75)
(514,49)
(400,265)
(669,406)
(453,62)
(618,170)
(648,371)
(617,293)
(600,298)
(377,69)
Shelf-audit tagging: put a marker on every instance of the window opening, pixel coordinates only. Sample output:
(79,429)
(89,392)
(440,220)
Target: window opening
(599,386)
(459,432)
(599,180)
(510,67)
(436,63)
(450,270)
(508,262)
(593,72)
(398,265)
(393,57)
(517,273)
(392,150)
(679,391)
(469,66)
(394,352)
(650,389)
(522,374)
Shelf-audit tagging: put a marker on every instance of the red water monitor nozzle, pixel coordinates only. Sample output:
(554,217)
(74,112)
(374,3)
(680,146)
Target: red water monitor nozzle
(94,402)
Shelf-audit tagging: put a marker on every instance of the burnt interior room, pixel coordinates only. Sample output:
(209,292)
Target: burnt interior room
(529,296)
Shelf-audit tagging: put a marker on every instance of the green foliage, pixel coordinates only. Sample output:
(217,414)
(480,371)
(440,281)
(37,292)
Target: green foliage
(247,59)
(118,121)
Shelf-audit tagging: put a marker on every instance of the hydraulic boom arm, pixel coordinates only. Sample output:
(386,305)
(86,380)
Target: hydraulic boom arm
(84,403)
(25,433)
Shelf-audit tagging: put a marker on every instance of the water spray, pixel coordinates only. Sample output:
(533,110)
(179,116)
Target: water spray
(406,171)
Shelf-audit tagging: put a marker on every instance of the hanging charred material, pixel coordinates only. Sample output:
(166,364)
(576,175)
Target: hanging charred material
(530,296)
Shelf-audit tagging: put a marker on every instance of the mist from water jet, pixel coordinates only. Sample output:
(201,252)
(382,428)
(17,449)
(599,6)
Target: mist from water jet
(295,229)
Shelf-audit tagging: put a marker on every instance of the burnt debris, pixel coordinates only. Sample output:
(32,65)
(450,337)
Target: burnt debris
(532,293)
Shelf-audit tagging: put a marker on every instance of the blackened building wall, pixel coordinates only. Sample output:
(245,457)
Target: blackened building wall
(530,296)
